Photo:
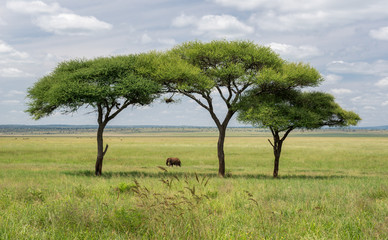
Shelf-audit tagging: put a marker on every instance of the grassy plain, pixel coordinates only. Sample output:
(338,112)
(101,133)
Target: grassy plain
(331,186)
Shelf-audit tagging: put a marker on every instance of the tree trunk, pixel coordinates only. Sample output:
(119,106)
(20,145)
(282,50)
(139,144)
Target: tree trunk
(100,149)
(277,146)
(276,165)
(220,151)
(221,126)
(277,149)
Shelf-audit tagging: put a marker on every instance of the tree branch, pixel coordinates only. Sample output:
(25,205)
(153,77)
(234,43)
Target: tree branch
(226,100)
(125,105)
(239,92)
(108,110)
(209,108)
(235,86)
(273,132)
(207,97)
(106,149)
(270,143)
(230,92)
(221,94)
(228,116)
(196,100)
(287,132)
(245,87)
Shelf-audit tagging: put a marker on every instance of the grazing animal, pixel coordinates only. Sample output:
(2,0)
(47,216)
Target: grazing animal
(173,161)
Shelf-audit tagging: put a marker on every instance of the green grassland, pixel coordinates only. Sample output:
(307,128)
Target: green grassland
(331,186)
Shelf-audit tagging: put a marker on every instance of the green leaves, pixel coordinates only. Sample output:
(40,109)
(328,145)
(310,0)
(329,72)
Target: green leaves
(75,83)
(227,62)
(172,72)
(289,75)
(294,108)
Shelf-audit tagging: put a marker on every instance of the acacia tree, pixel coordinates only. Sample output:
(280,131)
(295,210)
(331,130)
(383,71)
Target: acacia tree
(107,85)
(285,111)
(215,70)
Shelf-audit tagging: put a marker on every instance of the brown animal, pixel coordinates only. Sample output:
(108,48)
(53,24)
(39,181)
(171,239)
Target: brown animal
(173,161)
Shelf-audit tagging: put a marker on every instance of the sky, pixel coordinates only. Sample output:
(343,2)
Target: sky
(346,41)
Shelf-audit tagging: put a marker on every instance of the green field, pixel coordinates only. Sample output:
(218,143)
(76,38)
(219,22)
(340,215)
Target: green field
(331,186)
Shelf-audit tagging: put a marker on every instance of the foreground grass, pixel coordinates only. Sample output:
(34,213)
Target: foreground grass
(330,188)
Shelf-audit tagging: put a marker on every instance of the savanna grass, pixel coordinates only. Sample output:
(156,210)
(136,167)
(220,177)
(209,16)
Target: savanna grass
(329,188)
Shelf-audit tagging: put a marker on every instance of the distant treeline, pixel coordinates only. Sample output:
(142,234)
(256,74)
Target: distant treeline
(155,129)
(85,129)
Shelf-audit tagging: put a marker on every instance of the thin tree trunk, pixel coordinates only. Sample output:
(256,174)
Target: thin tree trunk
(277,150)
(221,126)
(220,151)
(277,146)
(100,149)
(102,122)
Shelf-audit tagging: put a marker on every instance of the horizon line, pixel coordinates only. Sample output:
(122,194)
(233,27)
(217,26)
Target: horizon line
(172,126)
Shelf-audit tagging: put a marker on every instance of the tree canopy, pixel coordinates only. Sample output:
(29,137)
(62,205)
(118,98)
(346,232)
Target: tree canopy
(110,82)
(286,110)
(293,109)
(107,85)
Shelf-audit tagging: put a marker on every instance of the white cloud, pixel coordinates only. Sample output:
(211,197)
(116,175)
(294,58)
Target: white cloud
(55,19)
(145,39)
(224,25)
(274,21)
(290,5)
(5,48)
(215,26)
(14,92)
(283,6)
(384,103)
(367,98)
(12,72)
(340,91)
(380,34)
(297,52)
(279,15)
(356,99)
(183,20)
(33,7)
(71,24)
(332,79)
(242,4)
(7,53)
(382,83)
(379,67)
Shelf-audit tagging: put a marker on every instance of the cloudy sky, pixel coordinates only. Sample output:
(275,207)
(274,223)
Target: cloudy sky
(347,41)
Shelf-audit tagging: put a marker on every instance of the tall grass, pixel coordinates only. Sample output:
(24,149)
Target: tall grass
(329,188)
